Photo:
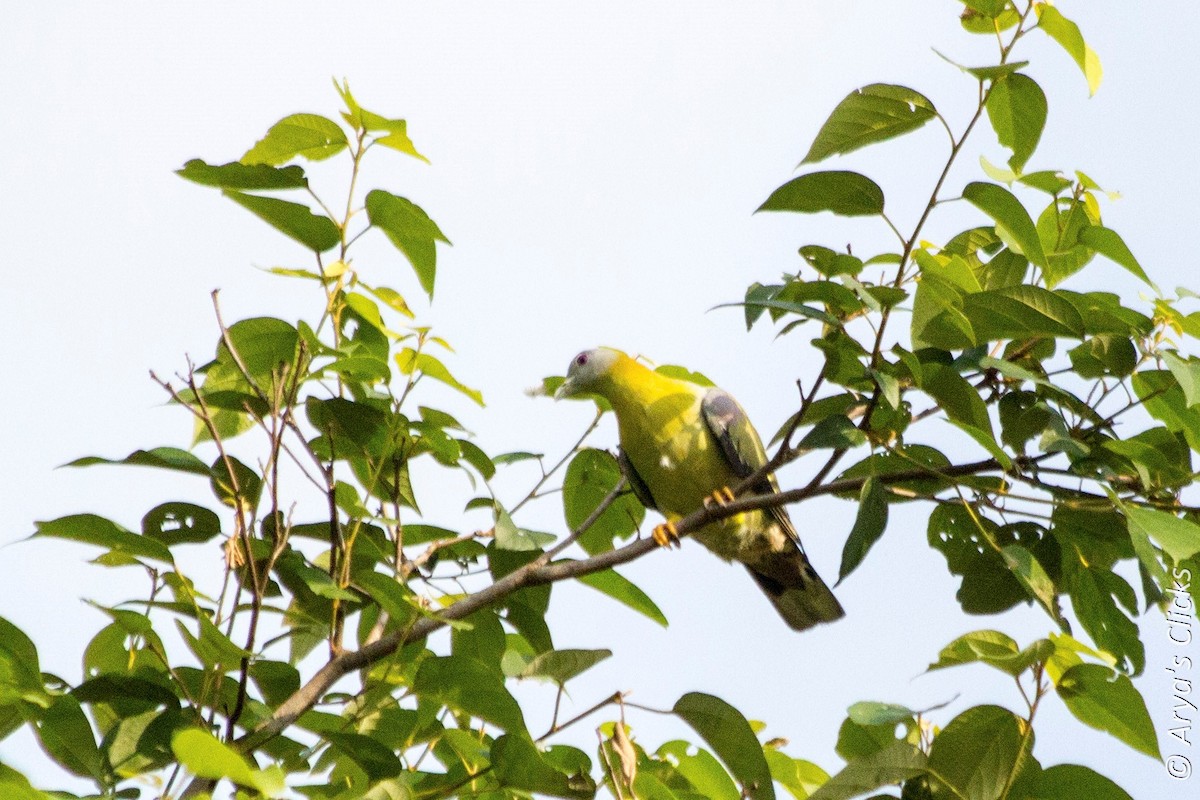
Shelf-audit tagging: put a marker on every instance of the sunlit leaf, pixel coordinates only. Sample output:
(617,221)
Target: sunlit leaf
(410,229)
(1066,33)
(1108,701)
(310,136)
(1013,223)
(847,194)
(871,114)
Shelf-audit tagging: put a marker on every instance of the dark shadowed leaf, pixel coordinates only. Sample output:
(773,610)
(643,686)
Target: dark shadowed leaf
(373,757)
(236,175)
(869,525)
(517,763)
(67,736)
(93,529)
(729,735)
(844,193)
(161,457)
(621,589)
(181,523)
(315,231)
(1074,782)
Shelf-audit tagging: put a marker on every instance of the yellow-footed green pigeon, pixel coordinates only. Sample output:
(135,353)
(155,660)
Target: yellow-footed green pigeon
(682,446)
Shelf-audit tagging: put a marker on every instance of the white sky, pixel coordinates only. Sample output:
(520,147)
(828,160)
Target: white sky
(596,166)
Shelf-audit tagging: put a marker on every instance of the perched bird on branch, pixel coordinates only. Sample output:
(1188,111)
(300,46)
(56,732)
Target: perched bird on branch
(682,447)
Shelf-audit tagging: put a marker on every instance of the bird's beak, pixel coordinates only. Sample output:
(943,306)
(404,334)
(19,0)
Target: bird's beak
(565,390)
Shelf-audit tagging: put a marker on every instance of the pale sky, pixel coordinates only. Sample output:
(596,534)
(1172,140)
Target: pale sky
(596,166)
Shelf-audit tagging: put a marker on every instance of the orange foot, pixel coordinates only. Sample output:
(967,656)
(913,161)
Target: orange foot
(665,535)
(721,497)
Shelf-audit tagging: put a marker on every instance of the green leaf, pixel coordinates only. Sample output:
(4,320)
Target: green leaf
(1075,782)
(870,713)
(994,649)
(236,175)
(894,764)
(1107,700)
(410,229)
(978,752)
(1066,33)
(871,114)
(1104,354)
(561,666)
(844,193)
(317,232)
(308,135)
(1093,590)
(93,529)
(1179,538)
(1032,575)
(1017,107)
(392,596)
(834,432)
(20,673)
(204,756)
(517,763)
(801,778)
(1013,223)
(591,476)
(372,756)
(1187,373)
(829,263)
(171,458)
(956,396)
(729,735)
(15,786)
(241,488)
(469,686)
(1109,244)
(212,647)
(410,361)
(181,523)
(621,589)
(67,735)
(701,769)
(869,525)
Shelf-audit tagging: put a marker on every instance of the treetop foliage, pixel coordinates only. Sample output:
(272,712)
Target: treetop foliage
(308,670)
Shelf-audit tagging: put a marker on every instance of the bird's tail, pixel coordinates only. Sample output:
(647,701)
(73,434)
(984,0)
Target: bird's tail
(796,590)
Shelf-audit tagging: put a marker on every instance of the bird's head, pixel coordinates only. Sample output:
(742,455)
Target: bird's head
(588,372)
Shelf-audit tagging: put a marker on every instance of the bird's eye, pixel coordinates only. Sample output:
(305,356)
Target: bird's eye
(581,359)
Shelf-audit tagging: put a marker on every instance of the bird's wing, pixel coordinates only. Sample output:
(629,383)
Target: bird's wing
(742,448)
(640,490)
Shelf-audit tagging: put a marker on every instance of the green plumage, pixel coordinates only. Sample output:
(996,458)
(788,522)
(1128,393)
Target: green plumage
(680,442)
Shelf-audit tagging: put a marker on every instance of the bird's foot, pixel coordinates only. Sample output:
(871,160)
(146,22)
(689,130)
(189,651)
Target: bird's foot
(665,535)
(719,499)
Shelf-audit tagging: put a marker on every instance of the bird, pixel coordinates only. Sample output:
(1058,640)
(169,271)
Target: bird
(682,446)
